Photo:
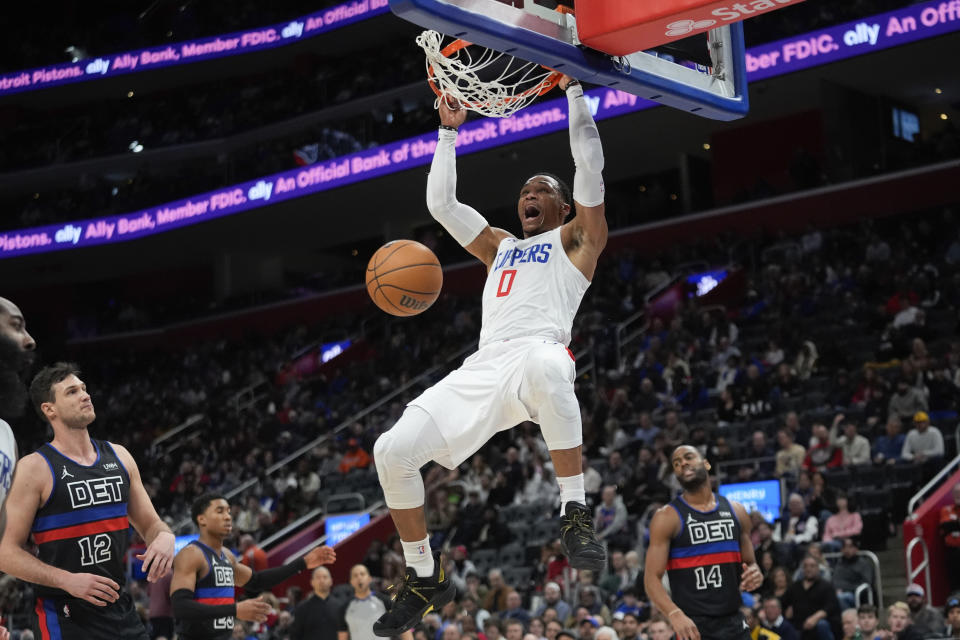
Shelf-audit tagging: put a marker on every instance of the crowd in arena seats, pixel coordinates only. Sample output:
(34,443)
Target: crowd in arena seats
(40,137)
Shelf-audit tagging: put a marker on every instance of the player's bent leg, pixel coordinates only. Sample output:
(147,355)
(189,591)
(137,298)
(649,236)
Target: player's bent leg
(547,391)
(398,454)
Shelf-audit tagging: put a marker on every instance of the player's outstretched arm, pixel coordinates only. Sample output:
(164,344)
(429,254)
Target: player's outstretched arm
(587,232)
(461,221)
(22,504)
(158,558)
(752,577)
(663,528)
(243,576)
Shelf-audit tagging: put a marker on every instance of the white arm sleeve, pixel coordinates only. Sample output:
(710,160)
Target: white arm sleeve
(586,149)
(461,221)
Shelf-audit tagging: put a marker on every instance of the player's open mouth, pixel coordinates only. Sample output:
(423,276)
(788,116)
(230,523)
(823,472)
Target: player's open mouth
(530,212)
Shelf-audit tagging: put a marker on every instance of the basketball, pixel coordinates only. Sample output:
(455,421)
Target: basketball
(404,278)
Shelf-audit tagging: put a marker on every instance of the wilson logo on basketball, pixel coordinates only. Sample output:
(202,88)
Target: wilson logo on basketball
(413,303)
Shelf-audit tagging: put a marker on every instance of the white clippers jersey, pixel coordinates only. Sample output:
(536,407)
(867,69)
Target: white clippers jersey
(532,290)
(8,458)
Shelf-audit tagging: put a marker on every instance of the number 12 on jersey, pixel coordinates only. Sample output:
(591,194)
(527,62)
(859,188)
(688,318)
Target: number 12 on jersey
(708,577)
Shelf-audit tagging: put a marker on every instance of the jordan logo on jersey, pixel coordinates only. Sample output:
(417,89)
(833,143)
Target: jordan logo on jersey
(539,253)
(712,531)
(66,474)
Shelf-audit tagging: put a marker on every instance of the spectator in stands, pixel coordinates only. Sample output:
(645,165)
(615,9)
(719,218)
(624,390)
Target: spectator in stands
(617,473)
(587,627)
(315,617)
(515,611)
(491,628)
(659,629)
(610,519)
(822,454)
(796,527)
(898,619)
(776,583)
(811,604)
(618,577)
(850,572)
(842,524)
(252,555)
(763,455)
(868,621)
(926,620)
(815,550)
(591,599)
(495,600)
(855,448)
(552,629)
(630,604)
(923,442)
(552,600)
(646,429)
(887,448)
(675,431)
(952,609)
(493,534)
(771,617)
(906,401)
(161,611)
(805,363)
(822,501)
(766,544)
(354,457)
(631,627)
(248,520)
(790,455)
(950,530)
(605,633)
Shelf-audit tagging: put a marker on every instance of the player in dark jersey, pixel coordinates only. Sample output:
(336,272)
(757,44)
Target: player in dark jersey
(702,541)
(205,575)
(78,497)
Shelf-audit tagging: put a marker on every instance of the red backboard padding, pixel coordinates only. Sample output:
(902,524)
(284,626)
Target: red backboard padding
(621,27)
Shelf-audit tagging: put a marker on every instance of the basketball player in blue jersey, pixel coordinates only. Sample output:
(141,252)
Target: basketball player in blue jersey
(78,497)
(523,369)
(702,541)
(205,575)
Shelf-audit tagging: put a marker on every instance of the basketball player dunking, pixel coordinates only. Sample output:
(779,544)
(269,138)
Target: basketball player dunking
(205,576)
(702,541)
(78,497)
(523,369)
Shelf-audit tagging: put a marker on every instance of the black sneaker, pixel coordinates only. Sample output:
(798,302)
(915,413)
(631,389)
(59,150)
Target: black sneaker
(414,598)
(579,540)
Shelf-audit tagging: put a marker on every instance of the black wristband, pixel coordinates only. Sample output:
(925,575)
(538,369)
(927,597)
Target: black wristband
(186,608)
(448,127)
(572,83)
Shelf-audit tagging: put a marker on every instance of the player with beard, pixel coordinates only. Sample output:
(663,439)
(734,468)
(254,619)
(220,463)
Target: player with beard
(205,575)
(702,540)
(16,356)
(77,497)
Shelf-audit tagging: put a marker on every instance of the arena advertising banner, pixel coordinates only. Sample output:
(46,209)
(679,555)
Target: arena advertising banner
(878,32)
(248,41)
(762,495)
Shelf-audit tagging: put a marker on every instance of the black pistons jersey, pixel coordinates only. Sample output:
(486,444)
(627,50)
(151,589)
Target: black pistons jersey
(704,563)
(216,587)
(82,527)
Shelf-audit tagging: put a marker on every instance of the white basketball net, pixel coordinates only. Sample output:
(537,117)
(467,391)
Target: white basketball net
(517,82)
